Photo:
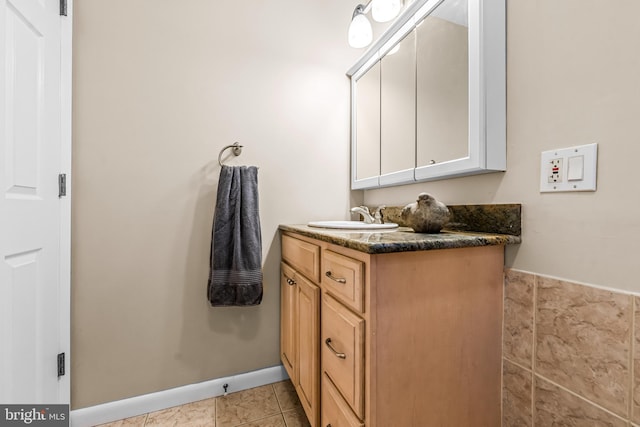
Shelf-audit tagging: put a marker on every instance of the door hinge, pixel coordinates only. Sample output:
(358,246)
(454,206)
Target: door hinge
(60,364)
(62,185)
(63,7)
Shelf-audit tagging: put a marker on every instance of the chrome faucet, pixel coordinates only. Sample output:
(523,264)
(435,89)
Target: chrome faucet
(376,218)
(364,211)
(377,215)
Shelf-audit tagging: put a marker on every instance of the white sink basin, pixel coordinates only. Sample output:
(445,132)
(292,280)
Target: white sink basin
(352,225)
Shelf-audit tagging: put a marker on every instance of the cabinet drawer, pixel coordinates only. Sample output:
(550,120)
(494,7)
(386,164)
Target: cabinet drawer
(343,277)
(343,351)
(303,256)
(335,412)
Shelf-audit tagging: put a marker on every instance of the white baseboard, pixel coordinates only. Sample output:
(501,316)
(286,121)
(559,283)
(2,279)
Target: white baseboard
(125,408)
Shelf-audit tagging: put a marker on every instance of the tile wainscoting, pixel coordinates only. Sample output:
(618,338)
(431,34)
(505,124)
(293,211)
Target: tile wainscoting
(571,354)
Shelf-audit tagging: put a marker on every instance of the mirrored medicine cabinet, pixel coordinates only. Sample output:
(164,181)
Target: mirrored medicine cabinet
(428,98)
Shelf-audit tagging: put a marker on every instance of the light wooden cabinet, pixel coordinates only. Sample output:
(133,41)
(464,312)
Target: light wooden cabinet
(405,339)
(288,352)
(300,321)
(343,351)
(335,412)
(308,299)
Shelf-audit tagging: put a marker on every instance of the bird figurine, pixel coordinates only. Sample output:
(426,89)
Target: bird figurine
(425,215)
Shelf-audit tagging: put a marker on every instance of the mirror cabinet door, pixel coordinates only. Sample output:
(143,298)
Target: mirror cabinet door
(442,47)
(367,126)
(436,107)
(398,112)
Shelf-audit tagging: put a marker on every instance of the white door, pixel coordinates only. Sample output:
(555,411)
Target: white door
(34,147)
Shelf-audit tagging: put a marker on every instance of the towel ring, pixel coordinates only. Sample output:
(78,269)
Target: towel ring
(236,149)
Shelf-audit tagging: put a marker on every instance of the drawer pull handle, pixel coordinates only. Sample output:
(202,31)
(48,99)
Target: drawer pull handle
(291,282)
(339,355)
(335,279)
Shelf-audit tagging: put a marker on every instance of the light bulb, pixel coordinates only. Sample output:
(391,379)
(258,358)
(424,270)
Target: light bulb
(360,32)
(385,10)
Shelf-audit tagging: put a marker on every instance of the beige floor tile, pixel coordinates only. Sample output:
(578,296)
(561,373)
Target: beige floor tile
(246,406)
(274,421)
(296,418)
(196,414)
(127,422)
(287,396)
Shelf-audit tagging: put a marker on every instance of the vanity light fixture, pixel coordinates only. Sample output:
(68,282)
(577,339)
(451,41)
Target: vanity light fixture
(360,31)
(385,10)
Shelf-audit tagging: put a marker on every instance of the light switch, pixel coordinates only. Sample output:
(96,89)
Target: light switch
(569,169)
(575,168)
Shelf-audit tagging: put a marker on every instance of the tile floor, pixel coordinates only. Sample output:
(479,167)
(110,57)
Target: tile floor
(272,405)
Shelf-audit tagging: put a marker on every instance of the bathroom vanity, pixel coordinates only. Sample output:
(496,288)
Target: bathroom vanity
(393,328)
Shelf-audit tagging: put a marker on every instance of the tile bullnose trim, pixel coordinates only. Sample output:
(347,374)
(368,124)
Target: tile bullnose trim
(575,282)
(146,403)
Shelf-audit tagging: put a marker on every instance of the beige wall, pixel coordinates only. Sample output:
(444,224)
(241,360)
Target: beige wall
(572,79)
(159,88)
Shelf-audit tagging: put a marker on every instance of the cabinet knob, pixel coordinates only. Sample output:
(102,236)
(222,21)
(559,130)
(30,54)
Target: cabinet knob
(335,279)
(338,355)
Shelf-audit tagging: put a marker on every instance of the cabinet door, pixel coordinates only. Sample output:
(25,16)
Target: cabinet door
(366,128)
(398,113)
(442,100)
(288,320)
(308,383)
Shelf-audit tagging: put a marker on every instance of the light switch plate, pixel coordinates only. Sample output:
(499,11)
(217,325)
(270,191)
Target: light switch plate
(553,158)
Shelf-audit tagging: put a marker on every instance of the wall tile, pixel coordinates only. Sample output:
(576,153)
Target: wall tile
(518,317)
(583,341)
(558,408)
(516,395)
(636,364)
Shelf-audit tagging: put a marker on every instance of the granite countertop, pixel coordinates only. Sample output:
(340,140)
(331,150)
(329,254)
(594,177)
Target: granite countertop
(402,240)
(470,225)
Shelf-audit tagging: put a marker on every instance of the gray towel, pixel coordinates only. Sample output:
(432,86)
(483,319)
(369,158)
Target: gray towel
(236,241)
